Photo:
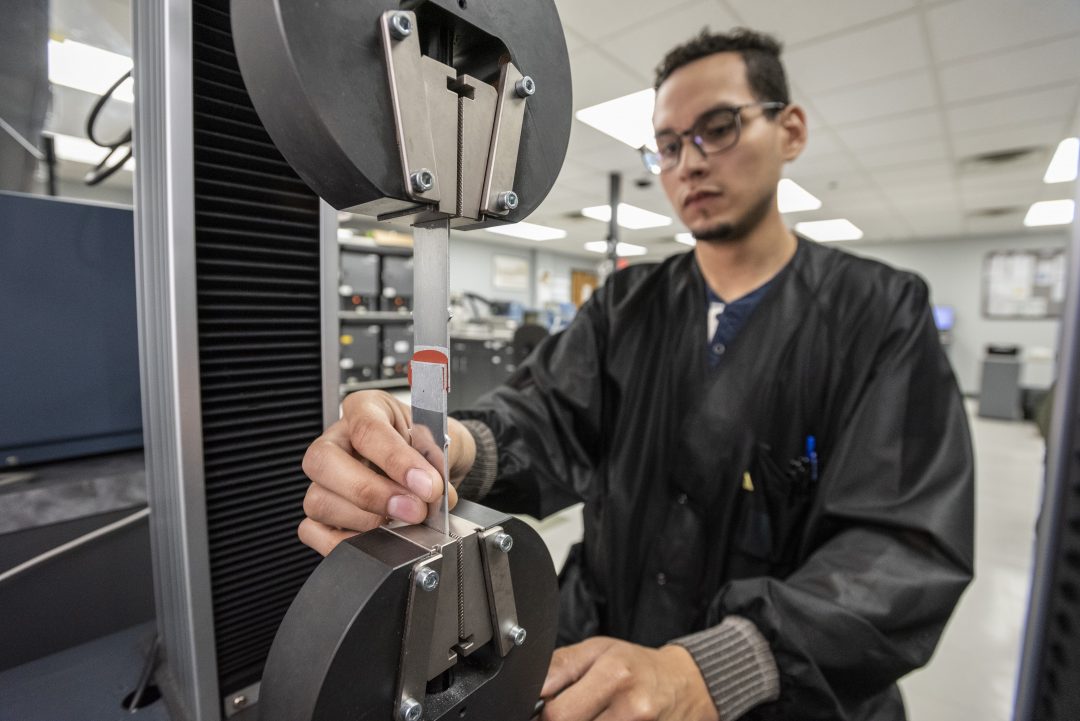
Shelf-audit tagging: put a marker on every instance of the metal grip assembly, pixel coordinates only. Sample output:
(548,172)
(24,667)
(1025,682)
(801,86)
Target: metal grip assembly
(389,108)
(402,623)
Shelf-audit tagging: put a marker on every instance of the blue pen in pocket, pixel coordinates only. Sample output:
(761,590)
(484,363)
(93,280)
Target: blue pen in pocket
(811,455)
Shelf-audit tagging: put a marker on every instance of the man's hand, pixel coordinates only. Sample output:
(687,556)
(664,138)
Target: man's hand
(610,680)
(363,471)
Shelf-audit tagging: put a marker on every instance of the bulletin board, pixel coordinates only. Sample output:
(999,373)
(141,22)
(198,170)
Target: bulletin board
(1024,284)
(510,273)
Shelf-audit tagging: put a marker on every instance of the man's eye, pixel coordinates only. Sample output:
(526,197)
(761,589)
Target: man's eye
(668,148)
(717,129)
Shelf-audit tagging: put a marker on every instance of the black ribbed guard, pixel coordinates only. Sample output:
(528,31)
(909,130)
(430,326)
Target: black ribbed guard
(257,258)
(1058,691)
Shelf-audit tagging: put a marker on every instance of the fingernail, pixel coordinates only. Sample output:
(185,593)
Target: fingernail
(405,508)
(419,483)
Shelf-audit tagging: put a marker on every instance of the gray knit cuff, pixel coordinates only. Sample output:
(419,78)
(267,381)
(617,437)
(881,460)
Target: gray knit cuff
(737,664)
(481,476)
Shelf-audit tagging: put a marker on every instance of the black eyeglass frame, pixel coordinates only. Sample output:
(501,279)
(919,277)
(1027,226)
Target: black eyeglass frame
(656,163)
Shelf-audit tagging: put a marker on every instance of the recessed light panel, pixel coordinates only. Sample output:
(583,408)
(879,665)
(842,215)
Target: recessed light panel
(825,231)
(528,231)
(1050,212)
(630,217)
(622,249)
(90,69)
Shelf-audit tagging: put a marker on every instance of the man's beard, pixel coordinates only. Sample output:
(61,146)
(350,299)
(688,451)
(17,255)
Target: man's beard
(742,227)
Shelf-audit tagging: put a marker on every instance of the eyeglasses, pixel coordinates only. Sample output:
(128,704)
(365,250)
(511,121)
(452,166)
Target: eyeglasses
(714,132)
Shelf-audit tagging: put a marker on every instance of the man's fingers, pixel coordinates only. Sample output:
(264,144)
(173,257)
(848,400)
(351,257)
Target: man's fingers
(570,663)
(374,438)
(331,466)
(321,537)
(328,508)
(587,697)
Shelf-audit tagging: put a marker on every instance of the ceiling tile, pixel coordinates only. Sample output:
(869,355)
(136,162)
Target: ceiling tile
(1012,223)
(598,19)
(882,50)
(642,47)
(824,168)
(1018,70)
(913,153)
(797,22)
(971,27)
(597,78)
(917,175)
(822,141)
(1055,103)
(895,96)
(935,225)
(909,128)
(998,190)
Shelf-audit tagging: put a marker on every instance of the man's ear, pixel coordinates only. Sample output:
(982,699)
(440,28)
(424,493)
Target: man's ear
(792,121)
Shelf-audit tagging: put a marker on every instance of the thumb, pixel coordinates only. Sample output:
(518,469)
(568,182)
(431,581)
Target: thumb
(570,663)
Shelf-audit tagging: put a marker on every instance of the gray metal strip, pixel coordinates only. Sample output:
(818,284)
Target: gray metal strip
(406,74)
(505,142)
(330,269)
(431,368)
(169,354)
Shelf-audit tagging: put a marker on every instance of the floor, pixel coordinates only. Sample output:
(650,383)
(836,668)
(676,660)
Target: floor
(972,675)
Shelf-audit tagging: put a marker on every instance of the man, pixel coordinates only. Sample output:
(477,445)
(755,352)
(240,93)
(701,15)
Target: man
(769,441)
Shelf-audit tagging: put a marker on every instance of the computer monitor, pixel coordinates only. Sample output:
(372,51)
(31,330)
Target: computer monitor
(69,349)
(944,317)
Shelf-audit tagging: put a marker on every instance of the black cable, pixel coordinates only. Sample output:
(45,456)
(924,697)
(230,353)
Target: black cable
(49,145)
(144,677)
(103,170)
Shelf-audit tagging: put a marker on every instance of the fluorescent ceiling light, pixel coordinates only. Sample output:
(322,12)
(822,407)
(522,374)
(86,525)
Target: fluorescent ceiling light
(1050,212)
(90,69)
(1064,164)
(829,230)
(528,231)
(627,119)
(622,249)
(81,150)
(685,239)
(630,217)
(794,198)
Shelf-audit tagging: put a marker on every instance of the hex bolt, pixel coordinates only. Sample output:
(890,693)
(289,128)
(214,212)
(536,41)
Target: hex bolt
(427,579)
(508,200)
(400,26)
(525,87)
(517,635)
(411,710)
(422,180)
(504,541)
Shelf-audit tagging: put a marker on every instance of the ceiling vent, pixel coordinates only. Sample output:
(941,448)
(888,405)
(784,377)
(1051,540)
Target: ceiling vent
(997,212)
(998,159)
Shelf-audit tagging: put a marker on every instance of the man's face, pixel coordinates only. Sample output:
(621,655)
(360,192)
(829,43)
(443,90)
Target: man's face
(722,196)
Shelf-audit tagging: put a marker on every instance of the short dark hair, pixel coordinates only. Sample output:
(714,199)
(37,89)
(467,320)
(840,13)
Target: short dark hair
(760,52)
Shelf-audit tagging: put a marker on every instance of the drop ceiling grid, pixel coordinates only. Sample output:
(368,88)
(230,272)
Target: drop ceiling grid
(920,56)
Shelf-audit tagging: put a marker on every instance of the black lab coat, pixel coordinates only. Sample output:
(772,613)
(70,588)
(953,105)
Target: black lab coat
(699,502)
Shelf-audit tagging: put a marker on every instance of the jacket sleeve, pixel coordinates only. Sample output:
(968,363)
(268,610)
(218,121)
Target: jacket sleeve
(894,536)
(546,420)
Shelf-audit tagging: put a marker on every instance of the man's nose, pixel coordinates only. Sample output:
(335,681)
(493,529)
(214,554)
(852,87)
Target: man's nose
(692,161)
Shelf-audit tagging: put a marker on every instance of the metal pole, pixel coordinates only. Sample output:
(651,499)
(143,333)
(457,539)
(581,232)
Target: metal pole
(615,198)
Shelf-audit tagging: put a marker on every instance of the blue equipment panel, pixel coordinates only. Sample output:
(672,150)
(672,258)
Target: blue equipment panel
(69,351)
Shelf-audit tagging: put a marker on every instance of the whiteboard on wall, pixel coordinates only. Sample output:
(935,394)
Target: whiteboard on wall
(510,273)
(1024,284)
